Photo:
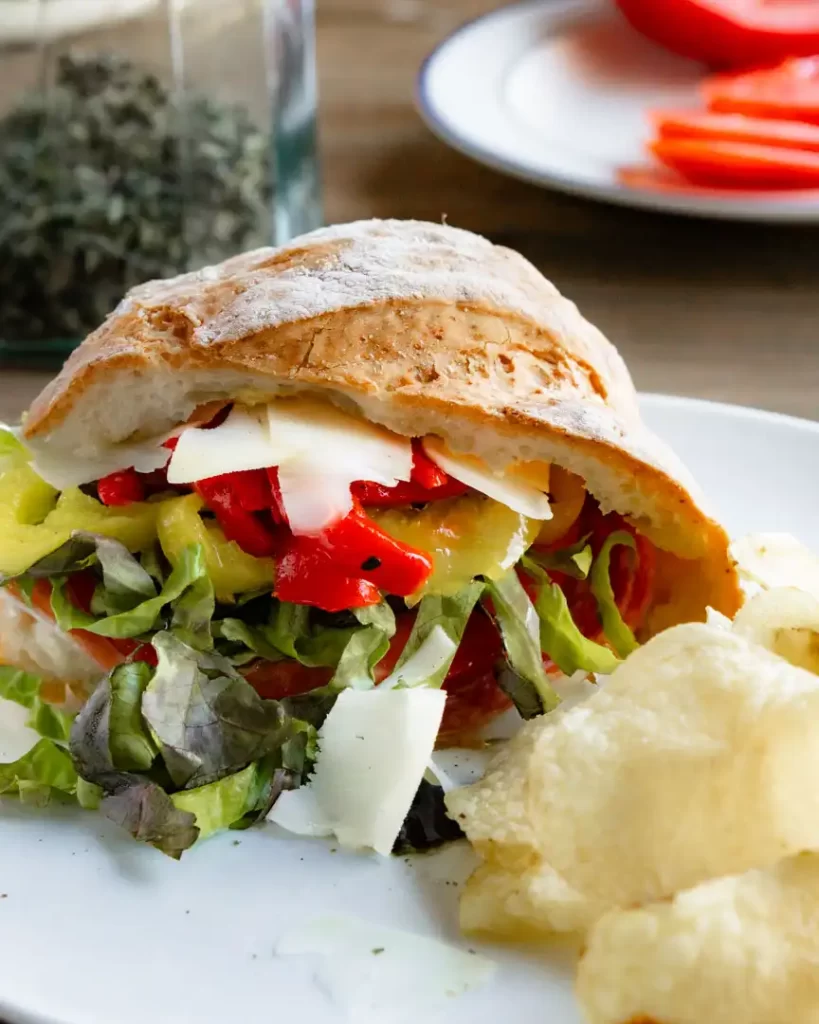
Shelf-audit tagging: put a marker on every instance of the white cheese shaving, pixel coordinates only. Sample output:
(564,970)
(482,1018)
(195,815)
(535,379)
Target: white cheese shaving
(380,975)
(16,739)
(241,442)
(437,650)
(514,493)
(373,750)
(320,451)
(64,469)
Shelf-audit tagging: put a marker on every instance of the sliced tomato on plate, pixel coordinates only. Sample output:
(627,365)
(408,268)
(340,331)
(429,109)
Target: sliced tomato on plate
(738,164)
(789,91)
(694,124)
(729,33)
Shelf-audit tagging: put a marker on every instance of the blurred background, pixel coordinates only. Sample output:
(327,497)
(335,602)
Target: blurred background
(698,306)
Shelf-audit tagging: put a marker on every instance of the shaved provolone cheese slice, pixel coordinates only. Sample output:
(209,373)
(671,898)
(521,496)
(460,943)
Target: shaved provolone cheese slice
(319,451)
(374,748)
(509,490)
(64,469)
(241,442)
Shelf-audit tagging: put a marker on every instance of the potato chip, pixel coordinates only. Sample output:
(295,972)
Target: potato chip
(777,560)
(697,759)
(739,950)
(785,621)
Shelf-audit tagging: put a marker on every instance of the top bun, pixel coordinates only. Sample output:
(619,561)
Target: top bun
(423,328)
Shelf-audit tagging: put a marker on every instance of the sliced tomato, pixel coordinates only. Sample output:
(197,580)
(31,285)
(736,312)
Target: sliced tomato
(275,680)
(788,92)
(728,33)
(108,652)
(738,164)
(692,124)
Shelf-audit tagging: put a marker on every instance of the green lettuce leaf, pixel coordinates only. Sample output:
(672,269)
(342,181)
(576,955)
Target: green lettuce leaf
(130,745)
(208,721)
(521,630)
(220,804)
(142,617)
(574,561)
(252,638)
(24,689)
(43,770)
(559,636)
(355,663)
(618,634)
(451,614)
(134,802)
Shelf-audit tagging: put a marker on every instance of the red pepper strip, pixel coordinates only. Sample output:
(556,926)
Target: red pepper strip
(308,574)
(424,471)
(121,488)
(405,493)
(277,506)
(360,547)
(250,487)
(246,528)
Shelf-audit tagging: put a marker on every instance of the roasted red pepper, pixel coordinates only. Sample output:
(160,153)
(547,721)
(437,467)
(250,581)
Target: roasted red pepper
(248,529)
(360,547)
(370,494)
(428,483)
(424,470)
(308,574)
(121,488)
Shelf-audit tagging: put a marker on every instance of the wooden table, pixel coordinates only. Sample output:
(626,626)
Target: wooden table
(719,310)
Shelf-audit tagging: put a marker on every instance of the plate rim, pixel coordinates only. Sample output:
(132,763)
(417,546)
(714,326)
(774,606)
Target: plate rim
(787,209)
(733,410)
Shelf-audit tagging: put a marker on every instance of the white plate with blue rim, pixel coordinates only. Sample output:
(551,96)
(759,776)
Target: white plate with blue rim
(556,92)
(258,925)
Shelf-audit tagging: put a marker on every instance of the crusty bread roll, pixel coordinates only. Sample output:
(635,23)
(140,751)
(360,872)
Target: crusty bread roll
(420,327)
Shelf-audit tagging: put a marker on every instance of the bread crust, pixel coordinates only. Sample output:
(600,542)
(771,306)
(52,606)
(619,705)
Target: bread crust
(421,327)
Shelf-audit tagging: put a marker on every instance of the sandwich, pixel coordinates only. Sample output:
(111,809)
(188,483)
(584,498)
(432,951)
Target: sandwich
(381,482)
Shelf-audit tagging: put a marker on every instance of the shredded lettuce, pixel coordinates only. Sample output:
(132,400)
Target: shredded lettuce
(212,751)
(559,636)
(428,664)
(221,804)
(617,632)
(436,613)
(207,720)
(518,623)
(42,771)
(135,802)
(24,688)
(574,561)
(144,612)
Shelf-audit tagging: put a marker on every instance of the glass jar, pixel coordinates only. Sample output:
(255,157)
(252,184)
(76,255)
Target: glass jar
(140,139)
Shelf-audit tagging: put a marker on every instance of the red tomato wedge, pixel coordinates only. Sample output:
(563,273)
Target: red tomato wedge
(729,33)
(693,124)
(788,92)
(738,164)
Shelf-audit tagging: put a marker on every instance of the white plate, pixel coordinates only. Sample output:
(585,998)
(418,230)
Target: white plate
(555,92)
(97,929)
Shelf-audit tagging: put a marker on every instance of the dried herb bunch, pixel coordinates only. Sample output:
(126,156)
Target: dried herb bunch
(107,181)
